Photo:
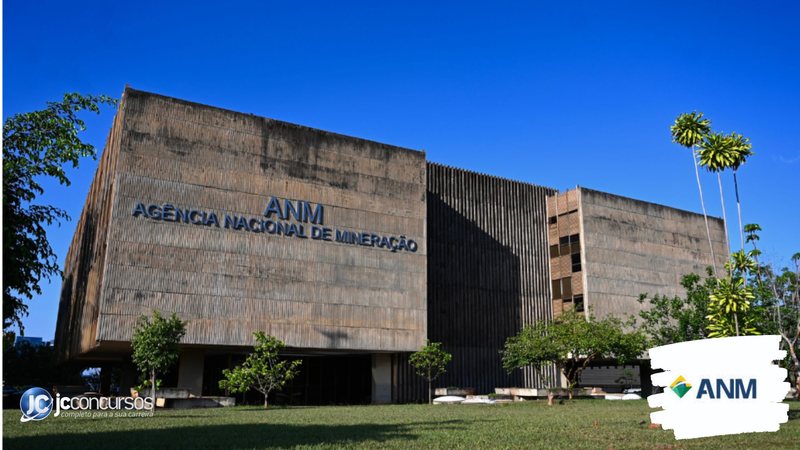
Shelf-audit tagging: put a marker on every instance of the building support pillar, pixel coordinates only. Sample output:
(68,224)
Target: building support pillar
(381,378)
(105,379)
(127,377)
(190,371)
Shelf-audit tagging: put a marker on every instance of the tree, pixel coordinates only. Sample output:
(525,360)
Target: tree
(719,152)
(678,319)
(571,342)
(779,292)
(689,130)
(263,369)
(729,305)
(741,149)
(35,145)
(37,365)
(430,362)
(155,345)
(716,155)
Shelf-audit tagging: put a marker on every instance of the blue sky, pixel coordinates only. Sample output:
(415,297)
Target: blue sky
(552,93)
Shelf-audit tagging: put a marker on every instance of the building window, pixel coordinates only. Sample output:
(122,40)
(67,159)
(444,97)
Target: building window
(566,287)
(553,220)
(576,262)
(556,289)
(578,303)
(566,246)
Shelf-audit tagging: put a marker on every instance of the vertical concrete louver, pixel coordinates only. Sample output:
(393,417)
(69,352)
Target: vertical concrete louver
(487,276)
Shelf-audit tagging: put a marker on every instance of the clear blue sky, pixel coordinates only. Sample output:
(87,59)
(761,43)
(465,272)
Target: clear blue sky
(557,94)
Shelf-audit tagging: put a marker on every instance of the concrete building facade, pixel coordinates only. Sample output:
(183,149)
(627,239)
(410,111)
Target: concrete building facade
(352,252)
(606,250)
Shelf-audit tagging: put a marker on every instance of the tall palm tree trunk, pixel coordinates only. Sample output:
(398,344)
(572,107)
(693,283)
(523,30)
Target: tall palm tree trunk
(738,208)
(724,214)
(705,215)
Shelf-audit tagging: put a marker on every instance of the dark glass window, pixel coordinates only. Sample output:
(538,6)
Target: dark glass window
(553,220)
(553,251)
(563,240)
(574,238)
(576,262)
(556,289)
(578,303)
(576,247)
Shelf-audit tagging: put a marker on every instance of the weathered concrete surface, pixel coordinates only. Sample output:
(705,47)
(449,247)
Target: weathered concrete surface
(632,247)
(228,283)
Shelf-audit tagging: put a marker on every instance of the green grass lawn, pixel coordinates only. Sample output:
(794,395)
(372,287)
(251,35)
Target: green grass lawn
(581,424)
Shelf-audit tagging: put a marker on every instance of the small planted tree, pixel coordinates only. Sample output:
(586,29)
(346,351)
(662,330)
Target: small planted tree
(263,370)
(571,343)
(730,312)
(429,362)
(155,345)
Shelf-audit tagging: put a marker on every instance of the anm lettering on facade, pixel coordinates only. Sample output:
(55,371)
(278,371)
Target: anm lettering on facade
(288,212)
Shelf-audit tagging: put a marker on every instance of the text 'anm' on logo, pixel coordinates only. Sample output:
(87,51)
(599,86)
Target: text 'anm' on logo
(732,388)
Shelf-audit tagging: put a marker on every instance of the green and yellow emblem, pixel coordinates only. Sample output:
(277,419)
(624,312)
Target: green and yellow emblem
(680,386)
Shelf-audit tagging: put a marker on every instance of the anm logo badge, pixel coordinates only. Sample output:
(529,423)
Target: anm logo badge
(680,386)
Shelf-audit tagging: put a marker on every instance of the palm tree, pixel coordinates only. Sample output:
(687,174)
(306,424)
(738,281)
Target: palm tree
(741,149)
(689,130)
(716,155)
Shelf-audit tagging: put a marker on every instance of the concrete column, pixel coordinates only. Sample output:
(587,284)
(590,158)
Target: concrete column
(128,378)
(381,378)
(190,371)
(105,379)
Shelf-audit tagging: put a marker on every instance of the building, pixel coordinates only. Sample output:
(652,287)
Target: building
(22,341)
(605,250)
(351,251)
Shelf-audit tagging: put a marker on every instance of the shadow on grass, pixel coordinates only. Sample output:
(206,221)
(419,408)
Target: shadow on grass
(236,436)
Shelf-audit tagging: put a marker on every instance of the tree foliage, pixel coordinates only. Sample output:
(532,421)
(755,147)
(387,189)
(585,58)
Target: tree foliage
(716,152)
(571,343)
(263,370)
(678,319)
(729,312)
(777,295)
(689,129)
(155,344)
(35,145)
(37,365)
(430,362)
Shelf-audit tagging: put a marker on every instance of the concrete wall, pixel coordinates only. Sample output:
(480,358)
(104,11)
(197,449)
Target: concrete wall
(228,283)
(633,247)
(79,301)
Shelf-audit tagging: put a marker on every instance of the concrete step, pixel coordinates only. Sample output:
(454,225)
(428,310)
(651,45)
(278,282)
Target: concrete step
(201,402)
